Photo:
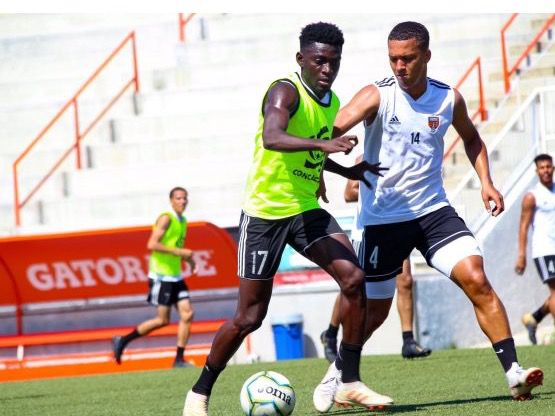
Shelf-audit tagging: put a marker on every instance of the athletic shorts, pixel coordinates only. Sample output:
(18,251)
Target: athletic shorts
(356,246)
(385,246)
(261,241)
(162,293)
(546,268)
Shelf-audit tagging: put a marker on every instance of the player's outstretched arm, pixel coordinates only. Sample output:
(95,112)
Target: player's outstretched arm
(355,172)
(281,102)
(477,153)
(352,186)
(526,215)
(363,106)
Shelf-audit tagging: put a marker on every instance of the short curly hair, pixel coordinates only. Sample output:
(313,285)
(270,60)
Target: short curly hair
(541,157)
(321,32)
(411,30)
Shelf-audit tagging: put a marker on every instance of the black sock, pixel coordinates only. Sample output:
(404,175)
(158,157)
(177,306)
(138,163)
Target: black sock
(126,339)
(539,314)
(339,361)
(331,332)
(407,336)
(179,353)
(207,379)
(350,358)
(506,352)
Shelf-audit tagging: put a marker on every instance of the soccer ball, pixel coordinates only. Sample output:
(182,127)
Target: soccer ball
(267,393)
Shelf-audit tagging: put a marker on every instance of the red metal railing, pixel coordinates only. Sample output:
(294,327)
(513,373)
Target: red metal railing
(507,73)
(17,297)
(481,111)
(79,134)
(182,23)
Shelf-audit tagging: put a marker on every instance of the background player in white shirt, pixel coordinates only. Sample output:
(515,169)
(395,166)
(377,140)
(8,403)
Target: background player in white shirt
(405,118)
(538,211)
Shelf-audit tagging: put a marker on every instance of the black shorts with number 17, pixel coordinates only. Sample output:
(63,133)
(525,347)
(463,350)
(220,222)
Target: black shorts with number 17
(262,241)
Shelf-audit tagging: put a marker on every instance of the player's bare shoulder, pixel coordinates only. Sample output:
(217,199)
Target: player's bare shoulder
(282,93)
(529,201)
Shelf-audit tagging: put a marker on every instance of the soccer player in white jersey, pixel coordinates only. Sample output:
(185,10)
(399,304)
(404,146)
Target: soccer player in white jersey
(538,210)
(405,118)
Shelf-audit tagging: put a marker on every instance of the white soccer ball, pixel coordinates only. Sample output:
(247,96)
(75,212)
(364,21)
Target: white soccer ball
(267,393)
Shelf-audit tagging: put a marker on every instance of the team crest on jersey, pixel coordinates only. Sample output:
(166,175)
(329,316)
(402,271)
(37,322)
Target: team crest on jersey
(433,123)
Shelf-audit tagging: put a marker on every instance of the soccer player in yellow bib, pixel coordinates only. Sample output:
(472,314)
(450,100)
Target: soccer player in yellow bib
(166,284)
(281,207)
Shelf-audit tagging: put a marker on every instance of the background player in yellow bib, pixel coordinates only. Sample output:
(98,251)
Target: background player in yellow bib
(166,284)
(281,207)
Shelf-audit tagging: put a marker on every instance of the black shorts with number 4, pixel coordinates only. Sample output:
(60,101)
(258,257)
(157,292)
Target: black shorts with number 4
(262,241)
(385,246)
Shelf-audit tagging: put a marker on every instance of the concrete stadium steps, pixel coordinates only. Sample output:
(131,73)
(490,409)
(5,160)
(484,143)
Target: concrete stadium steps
(189,125)
(194,94)
(220,205)
(84,49)
(184,150)
(70,24)
(522,86)
(366,64)
(195,100)
(153,177)
(25,94)
(365,30)
(20,128)
(53,186)
(444,26)
(38,57)
(541,66)
(502,159)
(135,195)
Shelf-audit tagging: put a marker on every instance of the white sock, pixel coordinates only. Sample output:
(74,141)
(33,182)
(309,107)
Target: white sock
(511,375)
(350,385)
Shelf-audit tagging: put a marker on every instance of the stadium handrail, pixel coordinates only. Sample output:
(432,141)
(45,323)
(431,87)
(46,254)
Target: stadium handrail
(534,96)
(80,132)
(183,23)
(507,73)
(481,111)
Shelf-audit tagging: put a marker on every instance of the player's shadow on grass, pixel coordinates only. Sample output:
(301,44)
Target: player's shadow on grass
(405,408)
(6,399)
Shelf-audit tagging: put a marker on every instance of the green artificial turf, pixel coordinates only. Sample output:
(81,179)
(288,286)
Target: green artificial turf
(449,382)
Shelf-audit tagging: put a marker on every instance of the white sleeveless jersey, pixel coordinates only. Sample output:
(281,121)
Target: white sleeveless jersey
(406,137)
(543,224)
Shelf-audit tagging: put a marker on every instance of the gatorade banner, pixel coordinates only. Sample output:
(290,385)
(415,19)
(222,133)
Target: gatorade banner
(104,263)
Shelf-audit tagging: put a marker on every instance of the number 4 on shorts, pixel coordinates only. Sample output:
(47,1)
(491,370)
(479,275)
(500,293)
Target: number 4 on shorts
(374,257)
